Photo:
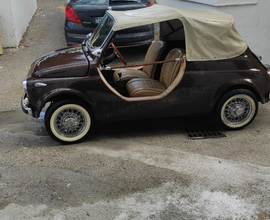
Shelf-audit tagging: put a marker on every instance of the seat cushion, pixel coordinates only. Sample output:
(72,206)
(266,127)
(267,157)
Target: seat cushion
(153,54)
(170,70)
(127,74)
(141,87)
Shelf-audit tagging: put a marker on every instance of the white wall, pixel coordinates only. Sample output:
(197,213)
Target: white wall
(224,2)
(7,24)
(15,18)
(252,19)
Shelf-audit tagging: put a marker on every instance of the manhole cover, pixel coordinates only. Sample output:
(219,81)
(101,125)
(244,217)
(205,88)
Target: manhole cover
(203,133)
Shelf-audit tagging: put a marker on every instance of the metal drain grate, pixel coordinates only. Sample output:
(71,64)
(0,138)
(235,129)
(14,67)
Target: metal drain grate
(203,133)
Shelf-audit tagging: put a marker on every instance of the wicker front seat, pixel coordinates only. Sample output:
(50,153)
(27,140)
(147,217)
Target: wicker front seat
(141,87)
(153,54)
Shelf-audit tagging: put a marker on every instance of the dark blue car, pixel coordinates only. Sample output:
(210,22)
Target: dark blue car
(82,17)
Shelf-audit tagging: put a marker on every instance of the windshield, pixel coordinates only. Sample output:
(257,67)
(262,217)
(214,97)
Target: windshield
(124,0)
(100,33)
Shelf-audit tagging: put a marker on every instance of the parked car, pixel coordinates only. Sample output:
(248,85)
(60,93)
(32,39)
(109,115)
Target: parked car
(83,16)
(206,67)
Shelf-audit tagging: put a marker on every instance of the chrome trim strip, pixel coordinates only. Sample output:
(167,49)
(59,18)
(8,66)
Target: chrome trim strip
(40,84)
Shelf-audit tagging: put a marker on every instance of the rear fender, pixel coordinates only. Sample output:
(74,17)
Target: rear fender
(248,84)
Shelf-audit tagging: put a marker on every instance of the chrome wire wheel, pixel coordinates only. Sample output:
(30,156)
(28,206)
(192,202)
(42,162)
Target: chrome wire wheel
(238,110)
(68,123)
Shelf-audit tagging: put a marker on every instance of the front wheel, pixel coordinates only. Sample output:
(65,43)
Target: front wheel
(237,109)
(68,121)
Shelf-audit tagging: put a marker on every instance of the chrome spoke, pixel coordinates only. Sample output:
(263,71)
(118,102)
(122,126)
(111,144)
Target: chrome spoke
(237,110)
(70,122)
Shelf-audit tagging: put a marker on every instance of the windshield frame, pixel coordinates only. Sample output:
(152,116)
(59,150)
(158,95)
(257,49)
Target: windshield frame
(123,0)
(89,43)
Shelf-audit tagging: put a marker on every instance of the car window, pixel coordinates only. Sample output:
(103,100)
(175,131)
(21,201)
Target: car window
(101,32)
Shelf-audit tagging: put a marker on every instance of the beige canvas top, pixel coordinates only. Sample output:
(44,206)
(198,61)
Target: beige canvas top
(209,35)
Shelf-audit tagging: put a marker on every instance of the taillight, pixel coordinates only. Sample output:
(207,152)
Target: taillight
(71,15)
(149,5)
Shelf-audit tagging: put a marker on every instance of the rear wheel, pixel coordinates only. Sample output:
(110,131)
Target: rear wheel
(68,121)
(237,109)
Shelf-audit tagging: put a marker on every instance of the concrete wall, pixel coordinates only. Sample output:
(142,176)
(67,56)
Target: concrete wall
(224,2)
(1,48)
(15,18)
(252,19)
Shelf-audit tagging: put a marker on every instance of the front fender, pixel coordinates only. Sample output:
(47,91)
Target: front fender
(51,95)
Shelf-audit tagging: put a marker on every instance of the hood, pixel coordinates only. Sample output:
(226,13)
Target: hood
(68,62)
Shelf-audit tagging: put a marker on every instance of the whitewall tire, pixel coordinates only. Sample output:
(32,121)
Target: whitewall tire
(237,109)
(68,121)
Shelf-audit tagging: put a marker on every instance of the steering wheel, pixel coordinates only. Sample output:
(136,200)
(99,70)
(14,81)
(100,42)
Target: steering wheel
(118,53)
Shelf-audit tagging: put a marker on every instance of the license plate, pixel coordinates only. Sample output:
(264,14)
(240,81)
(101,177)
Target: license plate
(97,19)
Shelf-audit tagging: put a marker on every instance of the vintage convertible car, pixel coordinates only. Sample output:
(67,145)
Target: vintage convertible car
(199,64)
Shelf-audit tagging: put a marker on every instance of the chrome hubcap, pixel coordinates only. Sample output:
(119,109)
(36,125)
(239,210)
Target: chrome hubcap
(237,110)
(70,122)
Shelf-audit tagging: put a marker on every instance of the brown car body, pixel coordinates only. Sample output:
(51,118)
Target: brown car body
(74,74)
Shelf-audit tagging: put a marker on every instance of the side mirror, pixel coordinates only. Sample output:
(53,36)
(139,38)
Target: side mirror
(259,57)
(97,52)
(88,35)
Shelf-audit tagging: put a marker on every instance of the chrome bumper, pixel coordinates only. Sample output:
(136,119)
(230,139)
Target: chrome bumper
(24,105)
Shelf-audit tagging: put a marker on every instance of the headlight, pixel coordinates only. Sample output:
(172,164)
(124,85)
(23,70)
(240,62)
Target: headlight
(25,85)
